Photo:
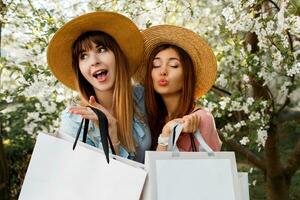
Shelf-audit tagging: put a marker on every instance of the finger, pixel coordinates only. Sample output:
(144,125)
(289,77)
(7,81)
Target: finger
(178,120)
(90,117)
(187,124)
(94,103)
(194,123)
(80,110)
(84,111)
(98,106)
(92,100)
(197,121)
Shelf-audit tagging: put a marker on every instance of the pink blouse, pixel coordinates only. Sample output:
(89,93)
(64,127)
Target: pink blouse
(208,131)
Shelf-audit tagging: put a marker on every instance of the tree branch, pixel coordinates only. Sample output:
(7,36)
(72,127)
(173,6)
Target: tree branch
(293,162)
(254,159)
(274,4)
(220,90)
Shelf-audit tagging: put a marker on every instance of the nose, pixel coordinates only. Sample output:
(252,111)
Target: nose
(163,70)
(95,60)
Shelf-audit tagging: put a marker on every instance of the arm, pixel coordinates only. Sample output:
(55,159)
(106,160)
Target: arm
(208,129)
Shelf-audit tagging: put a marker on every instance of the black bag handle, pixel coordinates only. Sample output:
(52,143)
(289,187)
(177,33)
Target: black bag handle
(103,127)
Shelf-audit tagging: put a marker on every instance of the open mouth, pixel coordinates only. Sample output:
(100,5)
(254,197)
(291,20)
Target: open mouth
(100,75)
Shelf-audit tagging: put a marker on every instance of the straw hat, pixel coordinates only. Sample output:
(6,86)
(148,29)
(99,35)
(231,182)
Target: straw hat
(121,28)
(201,54)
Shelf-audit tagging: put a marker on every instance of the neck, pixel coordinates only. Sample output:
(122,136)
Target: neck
(172,103)
(105,98)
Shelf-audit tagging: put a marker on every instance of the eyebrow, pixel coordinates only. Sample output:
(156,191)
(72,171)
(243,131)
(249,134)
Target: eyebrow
(100,45)
(83,50)
(157,58)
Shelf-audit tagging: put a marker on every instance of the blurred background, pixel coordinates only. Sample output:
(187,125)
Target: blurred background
(255,99)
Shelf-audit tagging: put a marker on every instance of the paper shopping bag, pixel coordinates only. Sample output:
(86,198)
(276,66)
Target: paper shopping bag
(244,185)
(58,172)
(191,175)
(69,138)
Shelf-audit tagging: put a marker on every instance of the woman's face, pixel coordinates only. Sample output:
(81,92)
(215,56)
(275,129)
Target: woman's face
(167,72)
(98,66)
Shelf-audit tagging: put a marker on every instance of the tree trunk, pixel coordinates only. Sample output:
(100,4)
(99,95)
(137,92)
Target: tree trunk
(277,187)
(278,182)
(4,178)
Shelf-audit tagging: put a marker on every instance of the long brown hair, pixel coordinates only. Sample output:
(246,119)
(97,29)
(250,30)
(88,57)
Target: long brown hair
(156,109)
(122,98)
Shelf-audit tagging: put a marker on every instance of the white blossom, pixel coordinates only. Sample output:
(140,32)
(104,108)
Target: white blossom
(244,141)
(228,127)
(229,15)
(235,106)
(222,80)
(50,107)
(280,17)
(29,127)
(246,78)
(261,137)
(294,70)
(254,116)
(283,91)
(251,170)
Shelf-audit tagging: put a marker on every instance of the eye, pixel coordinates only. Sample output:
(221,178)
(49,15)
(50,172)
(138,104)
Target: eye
(83,56)
(156,64)
(102,49)
(174,65)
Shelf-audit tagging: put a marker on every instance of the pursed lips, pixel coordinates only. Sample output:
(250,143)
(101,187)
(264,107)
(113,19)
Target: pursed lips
(163,82)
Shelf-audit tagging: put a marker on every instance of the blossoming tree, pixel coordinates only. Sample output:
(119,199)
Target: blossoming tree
(255,97)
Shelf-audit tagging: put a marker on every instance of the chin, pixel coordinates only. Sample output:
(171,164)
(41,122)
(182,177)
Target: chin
(104,88)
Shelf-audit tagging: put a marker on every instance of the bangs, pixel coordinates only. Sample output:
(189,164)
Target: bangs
(84,42)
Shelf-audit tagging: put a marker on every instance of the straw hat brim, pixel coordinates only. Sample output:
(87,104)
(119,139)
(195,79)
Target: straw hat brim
(119,27)
(199,51)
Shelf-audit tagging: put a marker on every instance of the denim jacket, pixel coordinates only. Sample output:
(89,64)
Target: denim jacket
(141,132)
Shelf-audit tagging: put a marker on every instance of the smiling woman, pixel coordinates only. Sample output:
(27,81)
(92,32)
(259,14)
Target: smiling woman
(90,55)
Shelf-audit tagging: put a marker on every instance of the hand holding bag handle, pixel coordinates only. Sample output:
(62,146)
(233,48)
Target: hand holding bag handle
(177,130)
(103,127)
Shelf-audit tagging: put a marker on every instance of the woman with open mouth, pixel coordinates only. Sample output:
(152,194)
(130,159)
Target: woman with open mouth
(96,55)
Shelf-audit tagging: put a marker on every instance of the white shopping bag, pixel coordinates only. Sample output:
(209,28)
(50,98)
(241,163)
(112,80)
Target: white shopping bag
(191,175)
(244,185)
(57,172)
(69,138)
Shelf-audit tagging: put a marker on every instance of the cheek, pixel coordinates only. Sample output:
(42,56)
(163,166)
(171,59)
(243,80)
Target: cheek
(81,68)
(153,74)
(179,79)
(112,60)
(181,75)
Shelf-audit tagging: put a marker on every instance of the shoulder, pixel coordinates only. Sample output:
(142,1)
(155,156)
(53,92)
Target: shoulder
(205,115)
